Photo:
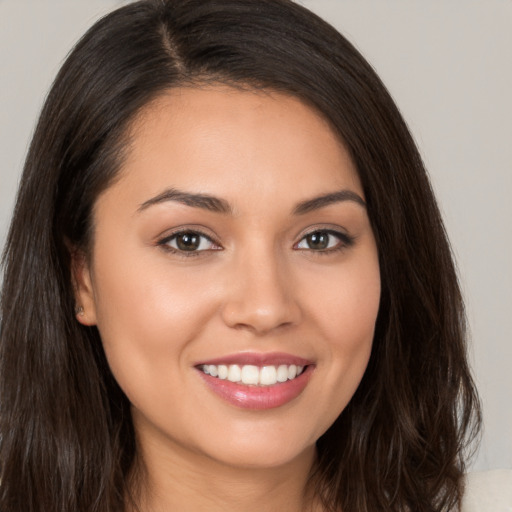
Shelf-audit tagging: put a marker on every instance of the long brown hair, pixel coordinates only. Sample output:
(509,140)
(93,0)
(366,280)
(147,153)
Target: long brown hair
(66,438)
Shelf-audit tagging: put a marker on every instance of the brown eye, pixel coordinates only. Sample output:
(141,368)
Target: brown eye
(189,242)
(318,241)
(324,241)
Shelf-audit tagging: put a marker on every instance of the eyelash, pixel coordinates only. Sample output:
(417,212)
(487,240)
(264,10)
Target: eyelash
(164,243)
(345,241)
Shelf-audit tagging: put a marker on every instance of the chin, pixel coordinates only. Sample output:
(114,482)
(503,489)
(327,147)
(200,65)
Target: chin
(260,446)
(263,456)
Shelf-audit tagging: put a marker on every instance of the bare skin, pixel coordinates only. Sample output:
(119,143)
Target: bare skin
(204,486)
(237,229)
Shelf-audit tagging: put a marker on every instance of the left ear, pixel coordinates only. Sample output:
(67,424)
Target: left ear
(85,310)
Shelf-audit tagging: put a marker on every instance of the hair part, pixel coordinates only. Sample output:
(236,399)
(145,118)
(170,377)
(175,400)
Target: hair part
(67,440)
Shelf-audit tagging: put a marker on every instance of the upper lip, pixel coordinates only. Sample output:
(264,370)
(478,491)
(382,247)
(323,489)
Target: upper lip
(257,359)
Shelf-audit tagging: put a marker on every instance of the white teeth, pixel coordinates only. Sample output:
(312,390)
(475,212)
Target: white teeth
(282,373)
(223,371)
(292,371)
(254,375)
(250,374)
(268,375)
(234,373)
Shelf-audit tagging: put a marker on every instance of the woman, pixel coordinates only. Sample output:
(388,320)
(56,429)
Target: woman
(227,283)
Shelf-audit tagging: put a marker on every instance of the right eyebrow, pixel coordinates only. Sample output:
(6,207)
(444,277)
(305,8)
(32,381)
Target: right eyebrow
(203,201)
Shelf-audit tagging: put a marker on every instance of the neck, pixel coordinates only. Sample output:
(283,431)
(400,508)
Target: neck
(176,479)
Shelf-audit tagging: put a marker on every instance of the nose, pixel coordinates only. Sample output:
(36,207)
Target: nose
(261,295)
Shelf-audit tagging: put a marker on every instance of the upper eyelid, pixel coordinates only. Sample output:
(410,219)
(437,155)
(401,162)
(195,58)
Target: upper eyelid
(186,229)
(329,228)
(332,232)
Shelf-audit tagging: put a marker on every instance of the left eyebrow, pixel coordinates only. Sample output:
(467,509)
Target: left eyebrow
(327,199)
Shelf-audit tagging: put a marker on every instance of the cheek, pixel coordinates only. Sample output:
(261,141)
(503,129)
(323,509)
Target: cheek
(345,315)
(139,291)
(347,303)
(146,316)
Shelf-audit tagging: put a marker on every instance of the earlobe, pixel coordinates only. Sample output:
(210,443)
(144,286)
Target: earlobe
(85,305)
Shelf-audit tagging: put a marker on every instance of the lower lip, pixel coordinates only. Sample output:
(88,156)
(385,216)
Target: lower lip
(258,397)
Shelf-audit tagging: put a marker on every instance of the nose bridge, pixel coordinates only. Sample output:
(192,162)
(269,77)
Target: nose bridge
(261,294)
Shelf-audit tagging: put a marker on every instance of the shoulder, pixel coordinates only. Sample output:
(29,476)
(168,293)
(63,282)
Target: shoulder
(488,491)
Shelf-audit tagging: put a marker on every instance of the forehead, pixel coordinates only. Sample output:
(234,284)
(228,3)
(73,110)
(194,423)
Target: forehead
(221,140)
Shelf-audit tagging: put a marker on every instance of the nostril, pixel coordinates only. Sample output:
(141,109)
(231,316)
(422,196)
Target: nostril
(260,320)
(259,296)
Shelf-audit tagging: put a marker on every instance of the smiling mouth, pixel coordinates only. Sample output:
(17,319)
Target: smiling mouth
(251,375)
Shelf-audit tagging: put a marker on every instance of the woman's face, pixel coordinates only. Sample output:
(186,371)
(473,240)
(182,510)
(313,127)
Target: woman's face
(235,245)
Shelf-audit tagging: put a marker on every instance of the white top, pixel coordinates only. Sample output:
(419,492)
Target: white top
(488,491)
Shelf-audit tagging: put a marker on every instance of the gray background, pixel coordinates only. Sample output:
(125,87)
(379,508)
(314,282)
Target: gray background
(448,65)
